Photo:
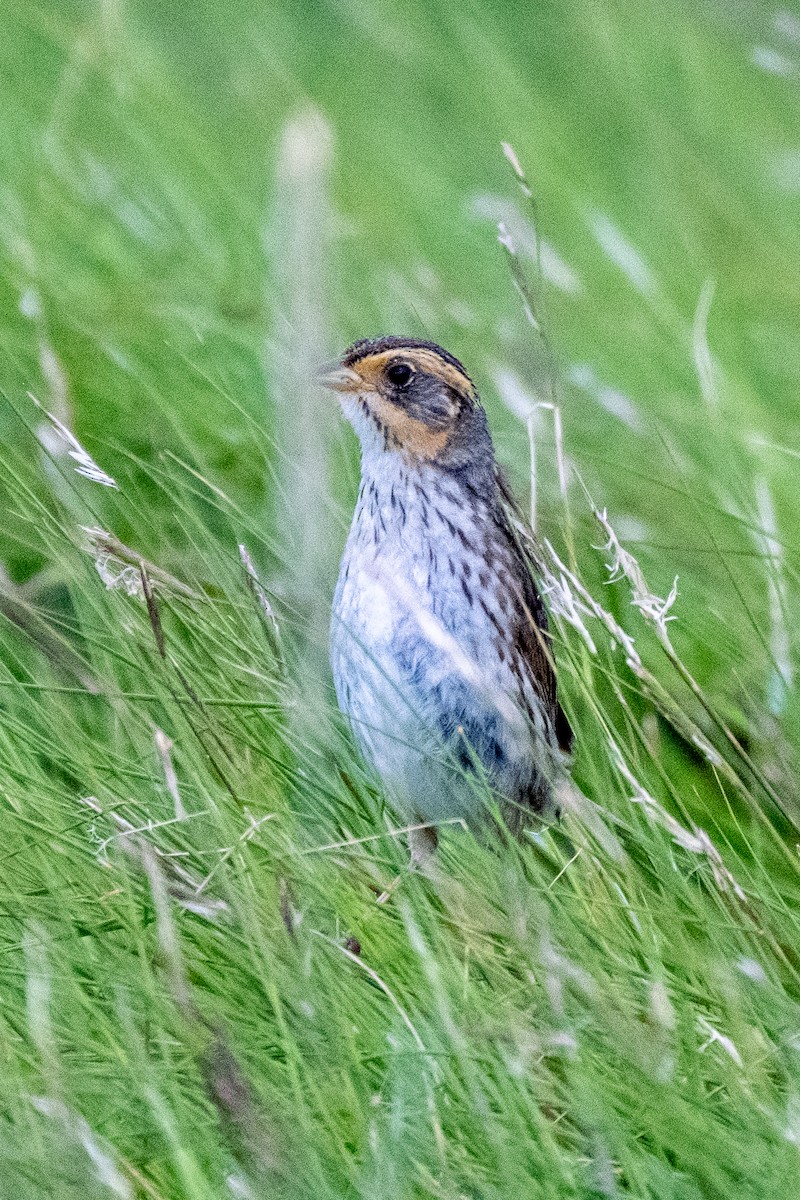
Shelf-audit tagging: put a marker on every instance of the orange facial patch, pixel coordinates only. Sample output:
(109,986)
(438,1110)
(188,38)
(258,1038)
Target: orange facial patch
(372,368)
(411,435)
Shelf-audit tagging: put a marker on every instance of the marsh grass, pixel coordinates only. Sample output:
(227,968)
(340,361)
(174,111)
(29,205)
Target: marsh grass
(201,995)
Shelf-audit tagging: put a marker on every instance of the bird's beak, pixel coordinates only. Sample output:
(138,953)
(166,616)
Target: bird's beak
(338,378)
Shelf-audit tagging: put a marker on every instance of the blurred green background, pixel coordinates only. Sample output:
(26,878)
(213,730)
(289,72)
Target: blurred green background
(197,205)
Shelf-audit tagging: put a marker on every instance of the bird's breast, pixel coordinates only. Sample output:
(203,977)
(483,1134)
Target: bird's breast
(424,564)
(423,643)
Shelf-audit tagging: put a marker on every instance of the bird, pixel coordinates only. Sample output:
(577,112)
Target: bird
(439,644)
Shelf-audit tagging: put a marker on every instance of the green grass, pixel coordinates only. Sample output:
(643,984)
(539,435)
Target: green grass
(196,204)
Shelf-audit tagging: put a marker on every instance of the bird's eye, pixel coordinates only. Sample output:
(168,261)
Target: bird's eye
(400,374)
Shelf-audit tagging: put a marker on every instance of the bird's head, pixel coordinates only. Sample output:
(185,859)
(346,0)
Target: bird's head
(410,396)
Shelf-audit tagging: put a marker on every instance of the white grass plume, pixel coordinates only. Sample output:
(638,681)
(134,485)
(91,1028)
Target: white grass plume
(65,440)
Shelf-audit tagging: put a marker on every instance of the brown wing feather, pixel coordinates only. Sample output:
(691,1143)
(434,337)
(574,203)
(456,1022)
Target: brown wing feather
(532,635)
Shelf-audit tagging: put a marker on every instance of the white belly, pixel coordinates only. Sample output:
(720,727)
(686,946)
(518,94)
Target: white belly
(412,671)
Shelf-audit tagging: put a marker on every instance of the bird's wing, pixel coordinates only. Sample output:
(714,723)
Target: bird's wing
(533,634)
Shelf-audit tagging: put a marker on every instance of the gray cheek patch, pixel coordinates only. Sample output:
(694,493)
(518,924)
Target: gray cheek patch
(428,400)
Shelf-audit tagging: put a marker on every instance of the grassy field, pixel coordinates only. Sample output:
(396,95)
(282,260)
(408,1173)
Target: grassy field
(200,996)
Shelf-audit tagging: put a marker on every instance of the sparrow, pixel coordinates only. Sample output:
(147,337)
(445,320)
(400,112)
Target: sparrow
(439,643)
